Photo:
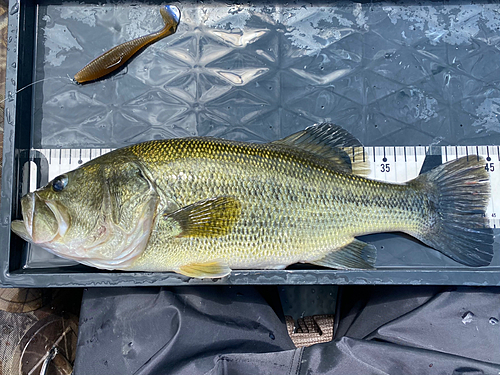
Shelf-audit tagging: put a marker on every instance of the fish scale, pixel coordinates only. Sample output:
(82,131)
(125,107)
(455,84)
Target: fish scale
(327,210)
(204,206)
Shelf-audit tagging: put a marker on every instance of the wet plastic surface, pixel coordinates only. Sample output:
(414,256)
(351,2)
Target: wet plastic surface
(392,74)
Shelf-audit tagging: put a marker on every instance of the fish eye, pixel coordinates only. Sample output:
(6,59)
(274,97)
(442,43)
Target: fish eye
(59,183)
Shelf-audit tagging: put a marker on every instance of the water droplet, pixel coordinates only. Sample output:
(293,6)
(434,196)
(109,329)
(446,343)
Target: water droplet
(13,82)
(467,317)
(447,78)
(10,39)
(271,336)
(14,9)
(10,96)
(131,354)
(388,55)
(493,321)
(13,65)
(8,116)
(130,344)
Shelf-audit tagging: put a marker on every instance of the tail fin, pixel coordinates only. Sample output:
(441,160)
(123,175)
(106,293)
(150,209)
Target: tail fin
(459,192)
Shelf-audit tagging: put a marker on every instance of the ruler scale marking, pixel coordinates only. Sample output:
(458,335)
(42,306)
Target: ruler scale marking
(382,166)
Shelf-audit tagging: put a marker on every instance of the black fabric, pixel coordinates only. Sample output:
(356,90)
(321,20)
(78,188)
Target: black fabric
(234,330)
(173,330)
(458,321)
(360,357)
(363,309)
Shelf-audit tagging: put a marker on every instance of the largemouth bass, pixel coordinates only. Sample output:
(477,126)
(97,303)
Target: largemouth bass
(202,207)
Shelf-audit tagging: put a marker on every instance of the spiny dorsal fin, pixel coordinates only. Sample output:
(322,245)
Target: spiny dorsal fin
(357,254)
(328,141)
(212,269)
(208,218)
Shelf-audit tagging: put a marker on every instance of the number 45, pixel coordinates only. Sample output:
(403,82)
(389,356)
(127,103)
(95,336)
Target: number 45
(490,167)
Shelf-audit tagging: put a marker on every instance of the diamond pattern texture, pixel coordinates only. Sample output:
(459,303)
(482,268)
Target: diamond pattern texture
(392,74)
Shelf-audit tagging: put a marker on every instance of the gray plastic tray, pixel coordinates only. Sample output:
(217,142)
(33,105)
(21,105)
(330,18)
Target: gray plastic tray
(402,73)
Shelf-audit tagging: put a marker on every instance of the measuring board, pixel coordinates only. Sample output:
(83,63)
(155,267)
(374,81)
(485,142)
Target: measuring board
(390,164)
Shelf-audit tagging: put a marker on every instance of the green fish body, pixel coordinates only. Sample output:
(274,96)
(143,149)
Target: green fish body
(208,206)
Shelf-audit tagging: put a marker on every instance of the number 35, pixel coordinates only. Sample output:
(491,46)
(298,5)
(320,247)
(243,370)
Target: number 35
(385,167)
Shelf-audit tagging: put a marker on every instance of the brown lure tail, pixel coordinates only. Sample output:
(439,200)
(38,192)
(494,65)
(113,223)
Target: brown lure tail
(119,55)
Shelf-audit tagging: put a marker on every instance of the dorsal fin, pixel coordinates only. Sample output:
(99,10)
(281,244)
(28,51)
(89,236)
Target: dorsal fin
(329,141)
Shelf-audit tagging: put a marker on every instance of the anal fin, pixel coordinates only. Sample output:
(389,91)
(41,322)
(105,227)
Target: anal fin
(211,270)
(355,255)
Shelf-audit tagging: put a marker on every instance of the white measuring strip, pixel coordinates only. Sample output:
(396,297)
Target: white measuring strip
(391,164)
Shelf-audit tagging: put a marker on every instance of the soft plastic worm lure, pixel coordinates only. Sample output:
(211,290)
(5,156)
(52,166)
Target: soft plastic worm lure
(117,56)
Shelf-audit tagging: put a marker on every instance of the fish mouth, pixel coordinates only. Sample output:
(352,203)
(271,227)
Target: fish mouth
(43,221)
(19,228)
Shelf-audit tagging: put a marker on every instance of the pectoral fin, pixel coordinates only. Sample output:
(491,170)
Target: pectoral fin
(208,218)
(205,270)
(356,254)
